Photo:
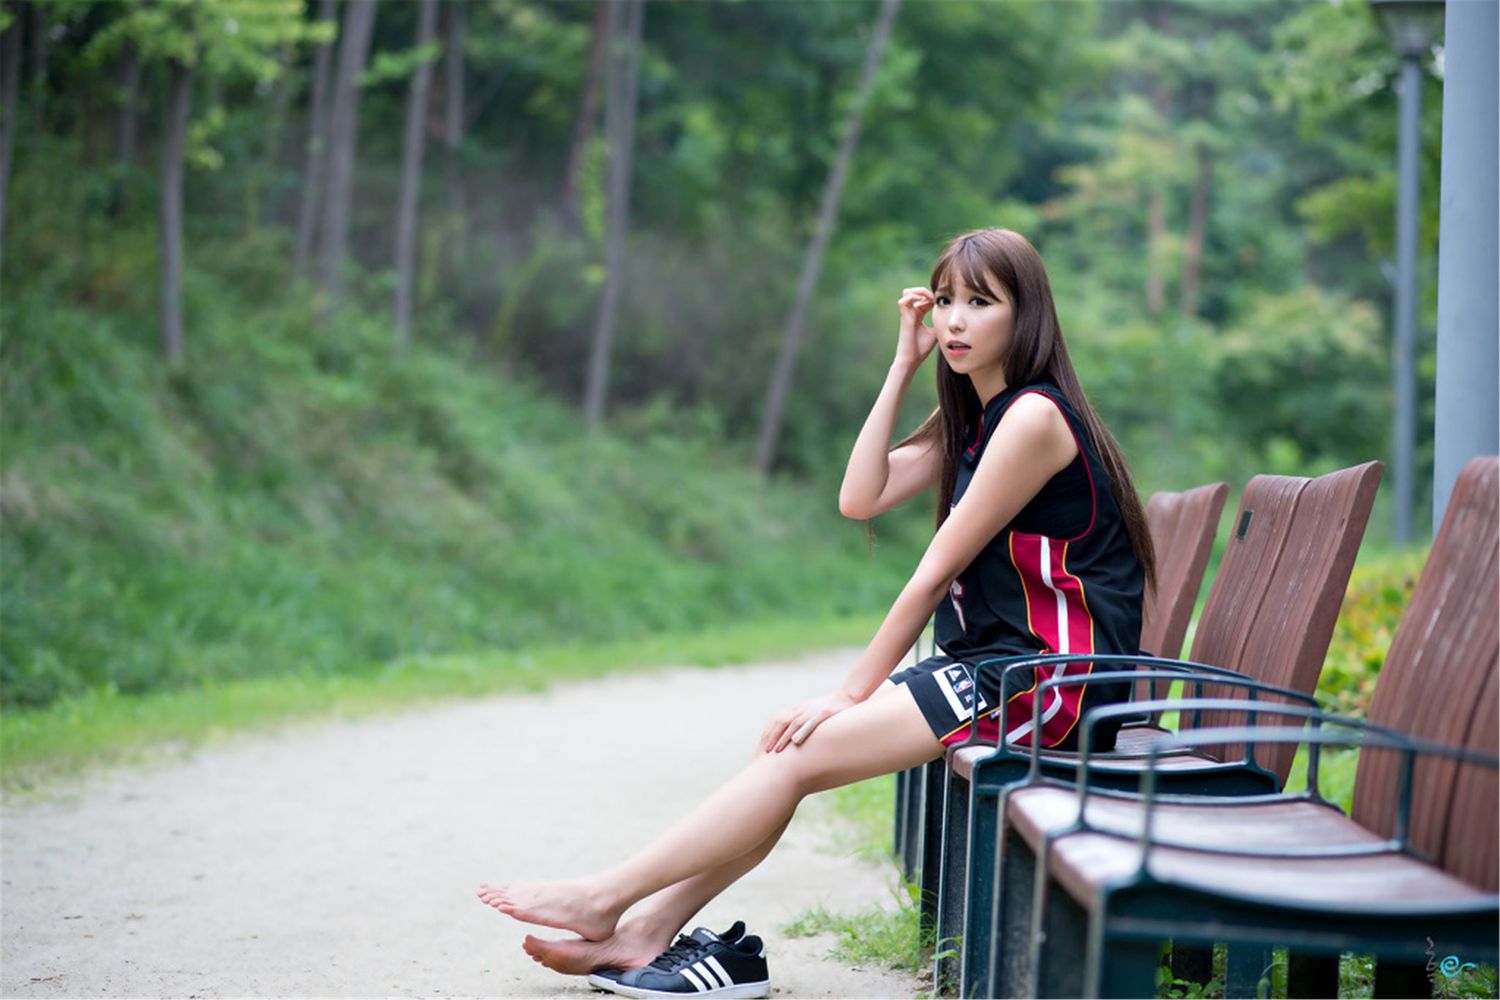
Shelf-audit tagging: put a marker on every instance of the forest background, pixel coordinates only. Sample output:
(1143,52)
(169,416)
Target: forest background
(331,348)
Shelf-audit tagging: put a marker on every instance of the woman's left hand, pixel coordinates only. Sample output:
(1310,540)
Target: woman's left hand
(795,725)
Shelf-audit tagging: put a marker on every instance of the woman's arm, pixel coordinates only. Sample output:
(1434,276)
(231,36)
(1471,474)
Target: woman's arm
(1030,446)
(877,478)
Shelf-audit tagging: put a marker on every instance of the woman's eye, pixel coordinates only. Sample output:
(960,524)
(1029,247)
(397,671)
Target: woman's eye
(977,301)
(941,300)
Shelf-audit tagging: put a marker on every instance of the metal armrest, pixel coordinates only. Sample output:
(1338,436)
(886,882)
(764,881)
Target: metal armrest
(1353,732)
(1007,664)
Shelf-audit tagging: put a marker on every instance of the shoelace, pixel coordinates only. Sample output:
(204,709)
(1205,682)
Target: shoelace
(683,952)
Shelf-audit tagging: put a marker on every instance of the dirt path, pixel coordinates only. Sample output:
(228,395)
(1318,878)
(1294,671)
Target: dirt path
(340,859)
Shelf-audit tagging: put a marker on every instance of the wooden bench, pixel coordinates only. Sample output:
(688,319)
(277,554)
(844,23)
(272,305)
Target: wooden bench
(1182,526)
(1269,617)
(1413,869)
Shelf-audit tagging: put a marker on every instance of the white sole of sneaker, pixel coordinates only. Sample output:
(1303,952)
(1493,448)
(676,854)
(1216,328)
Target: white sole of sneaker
(739,991)
(606,983)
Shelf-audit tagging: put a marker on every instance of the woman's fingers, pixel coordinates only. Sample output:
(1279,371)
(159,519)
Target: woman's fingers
(788,735)
(798,730)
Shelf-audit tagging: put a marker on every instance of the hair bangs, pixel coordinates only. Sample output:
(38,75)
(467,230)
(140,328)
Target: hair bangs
(966,260)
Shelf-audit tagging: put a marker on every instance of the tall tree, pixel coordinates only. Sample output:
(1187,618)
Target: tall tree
(1192,257)
(411,172)
(588,109)
(343,130)
(41,28)
(453,125)
(216,38)
(130,94)
(169,231)
(316,149)
(10,86)
(619,117)
(791,342)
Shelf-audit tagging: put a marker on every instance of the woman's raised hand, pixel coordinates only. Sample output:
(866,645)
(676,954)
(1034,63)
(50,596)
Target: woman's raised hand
(915,341)
(795,725)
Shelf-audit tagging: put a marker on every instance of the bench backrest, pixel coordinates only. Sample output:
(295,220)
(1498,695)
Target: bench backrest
(1274,601)
(1438,683)
(1183,526)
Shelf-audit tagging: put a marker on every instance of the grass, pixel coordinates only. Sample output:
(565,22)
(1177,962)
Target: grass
(103,726)
(884,935)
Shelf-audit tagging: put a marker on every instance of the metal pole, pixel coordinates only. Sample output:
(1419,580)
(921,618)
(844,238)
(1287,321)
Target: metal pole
(1404,359)
(1468,332)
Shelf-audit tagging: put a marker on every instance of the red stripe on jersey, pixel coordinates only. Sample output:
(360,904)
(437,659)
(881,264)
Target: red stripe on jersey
(1058,615)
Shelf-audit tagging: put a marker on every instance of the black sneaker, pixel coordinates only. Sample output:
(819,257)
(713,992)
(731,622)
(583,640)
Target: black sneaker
(704,965)
(609,979)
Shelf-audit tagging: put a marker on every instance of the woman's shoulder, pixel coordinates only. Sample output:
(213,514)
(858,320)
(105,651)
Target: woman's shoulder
(1037,401)
(1035,412)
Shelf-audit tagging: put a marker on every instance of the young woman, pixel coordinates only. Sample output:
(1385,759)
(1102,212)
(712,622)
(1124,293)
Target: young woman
(1041,547)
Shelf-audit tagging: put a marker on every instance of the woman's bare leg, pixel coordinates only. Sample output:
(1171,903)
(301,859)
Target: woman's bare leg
(883,734)
(648,929)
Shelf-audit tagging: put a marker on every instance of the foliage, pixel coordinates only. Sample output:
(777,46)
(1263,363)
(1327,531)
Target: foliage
(225,37)
(149,517)
(301,499)
(1305,368)
(1379,591)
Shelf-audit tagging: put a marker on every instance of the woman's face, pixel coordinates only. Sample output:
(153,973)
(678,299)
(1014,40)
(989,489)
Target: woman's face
(974,327)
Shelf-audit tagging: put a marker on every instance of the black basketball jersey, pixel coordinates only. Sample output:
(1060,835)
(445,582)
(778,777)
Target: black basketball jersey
(1061,577)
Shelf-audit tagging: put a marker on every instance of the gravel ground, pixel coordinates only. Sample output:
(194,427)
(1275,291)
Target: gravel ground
(340,859)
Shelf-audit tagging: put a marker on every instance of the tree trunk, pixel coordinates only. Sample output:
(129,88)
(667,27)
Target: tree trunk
(125,126)
(588,109)
(10,89)
(1156,225)
(619,116)
(1156,232)
(343,131)
(453,128)
(315,152)
(130,94)
(1156,211)
(411,176)
(791,343)
(40,44)
(281,100)
(169,235)
(279,105)
(1192,265)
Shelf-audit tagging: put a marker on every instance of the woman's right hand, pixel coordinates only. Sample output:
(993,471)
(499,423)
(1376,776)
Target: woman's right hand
(914,340)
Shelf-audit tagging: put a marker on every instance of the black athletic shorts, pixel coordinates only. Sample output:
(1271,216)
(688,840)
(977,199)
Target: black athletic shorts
(945,691)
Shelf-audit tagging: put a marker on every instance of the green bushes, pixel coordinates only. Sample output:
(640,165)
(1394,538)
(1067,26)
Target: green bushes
(1379,591)
(301,499)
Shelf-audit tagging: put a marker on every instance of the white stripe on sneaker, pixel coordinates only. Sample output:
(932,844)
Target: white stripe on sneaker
(687,973)
(713,963)
(706,975)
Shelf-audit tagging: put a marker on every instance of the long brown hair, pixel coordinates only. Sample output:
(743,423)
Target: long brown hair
(1037,353)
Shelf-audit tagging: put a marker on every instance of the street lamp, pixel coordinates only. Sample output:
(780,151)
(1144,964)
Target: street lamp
(1412,26)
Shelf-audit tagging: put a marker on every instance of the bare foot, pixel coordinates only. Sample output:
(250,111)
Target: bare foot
(569,906)
(630,947)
